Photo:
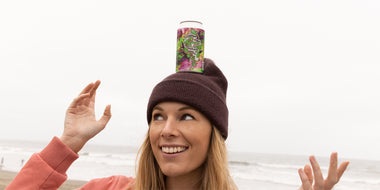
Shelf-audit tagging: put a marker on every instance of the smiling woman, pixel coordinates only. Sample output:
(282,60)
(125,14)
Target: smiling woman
(180,137)
(188,117)
(184,147)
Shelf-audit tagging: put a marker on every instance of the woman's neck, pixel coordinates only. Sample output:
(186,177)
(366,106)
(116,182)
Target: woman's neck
(188,181)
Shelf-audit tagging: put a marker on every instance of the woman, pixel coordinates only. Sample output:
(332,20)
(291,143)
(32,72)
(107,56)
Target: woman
(184,147)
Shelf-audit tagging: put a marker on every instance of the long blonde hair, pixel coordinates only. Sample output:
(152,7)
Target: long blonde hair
(215,175)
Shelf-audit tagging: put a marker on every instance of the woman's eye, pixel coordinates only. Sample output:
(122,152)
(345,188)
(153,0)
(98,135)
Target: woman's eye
(158,117)
(187,117)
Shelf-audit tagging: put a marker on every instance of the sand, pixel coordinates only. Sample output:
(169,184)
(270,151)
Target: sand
(6,177)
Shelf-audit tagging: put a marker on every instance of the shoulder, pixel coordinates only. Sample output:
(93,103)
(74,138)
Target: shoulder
(112,182)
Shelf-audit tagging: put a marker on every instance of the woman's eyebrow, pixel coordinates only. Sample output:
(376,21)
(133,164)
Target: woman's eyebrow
(180,109)
(185,108)
(158,108)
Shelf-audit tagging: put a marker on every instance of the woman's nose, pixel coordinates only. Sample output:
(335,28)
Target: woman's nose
(170,128)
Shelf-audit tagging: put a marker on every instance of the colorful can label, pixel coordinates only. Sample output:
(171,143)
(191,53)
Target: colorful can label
(190,47)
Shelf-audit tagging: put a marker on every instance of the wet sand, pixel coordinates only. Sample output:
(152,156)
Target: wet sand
(6,177)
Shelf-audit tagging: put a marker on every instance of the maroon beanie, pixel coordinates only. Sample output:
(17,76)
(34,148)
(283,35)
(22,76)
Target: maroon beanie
(206,92)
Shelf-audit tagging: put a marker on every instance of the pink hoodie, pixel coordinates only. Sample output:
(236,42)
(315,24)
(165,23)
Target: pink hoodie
(47,170)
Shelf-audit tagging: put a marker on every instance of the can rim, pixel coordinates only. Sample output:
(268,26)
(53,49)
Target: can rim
(199,22)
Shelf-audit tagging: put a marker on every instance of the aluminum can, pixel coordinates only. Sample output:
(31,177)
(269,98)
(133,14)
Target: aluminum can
(190,47)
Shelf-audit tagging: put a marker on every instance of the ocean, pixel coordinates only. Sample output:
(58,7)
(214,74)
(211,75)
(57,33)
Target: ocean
(251,171)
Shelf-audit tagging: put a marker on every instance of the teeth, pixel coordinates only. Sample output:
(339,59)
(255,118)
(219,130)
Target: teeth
(172,150)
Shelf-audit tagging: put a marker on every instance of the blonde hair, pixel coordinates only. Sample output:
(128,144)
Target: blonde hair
(215,175)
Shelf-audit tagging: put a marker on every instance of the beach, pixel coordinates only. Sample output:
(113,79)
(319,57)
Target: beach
(257,171)
(7,176)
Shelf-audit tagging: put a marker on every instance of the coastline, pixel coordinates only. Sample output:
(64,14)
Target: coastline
(7,176)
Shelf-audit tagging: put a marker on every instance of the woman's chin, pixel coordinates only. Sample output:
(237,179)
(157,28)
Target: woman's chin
(171,171)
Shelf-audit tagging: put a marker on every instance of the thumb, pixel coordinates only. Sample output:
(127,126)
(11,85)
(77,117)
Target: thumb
(106,116)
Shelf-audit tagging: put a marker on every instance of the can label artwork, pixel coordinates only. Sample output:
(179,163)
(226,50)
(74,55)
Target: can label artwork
(190,49)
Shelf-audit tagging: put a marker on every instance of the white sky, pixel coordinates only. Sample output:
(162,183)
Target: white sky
(303,75)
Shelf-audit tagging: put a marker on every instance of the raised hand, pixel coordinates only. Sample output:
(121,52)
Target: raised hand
(333,177)
(80,122)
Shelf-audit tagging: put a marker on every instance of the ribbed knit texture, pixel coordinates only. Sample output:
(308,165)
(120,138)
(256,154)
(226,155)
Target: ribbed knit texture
(205,92)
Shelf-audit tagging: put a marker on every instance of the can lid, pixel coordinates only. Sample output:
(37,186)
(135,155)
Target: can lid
(190,24)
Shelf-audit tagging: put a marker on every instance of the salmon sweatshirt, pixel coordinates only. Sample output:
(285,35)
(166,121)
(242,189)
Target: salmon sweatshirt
(46,170)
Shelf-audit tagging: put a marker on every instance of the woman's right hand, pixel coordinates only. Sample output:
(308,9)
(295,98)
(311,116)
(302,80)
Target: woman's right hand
(80,122)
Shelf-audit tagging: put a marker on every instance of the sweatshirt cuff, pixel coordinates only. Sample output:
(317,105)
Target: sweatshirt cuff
(58,156)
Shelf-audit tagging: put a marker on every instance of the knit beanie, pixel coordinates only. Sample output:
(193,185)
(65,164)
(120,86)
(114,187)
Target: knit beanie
(206,92)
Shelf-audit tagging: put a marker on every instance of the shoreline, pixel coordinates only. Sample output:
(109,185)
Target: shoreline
(7,176)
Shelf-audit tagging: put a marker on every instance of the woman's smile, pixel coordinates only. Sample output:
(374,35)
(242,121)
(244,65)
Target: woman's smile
(173,149)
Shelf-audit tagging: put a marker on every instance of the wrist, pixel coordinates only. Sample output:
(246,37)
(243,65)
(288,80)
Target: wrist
(74,143)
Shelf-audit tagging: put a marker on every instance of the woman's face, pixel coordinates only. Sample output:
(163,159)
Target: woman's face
(180,137)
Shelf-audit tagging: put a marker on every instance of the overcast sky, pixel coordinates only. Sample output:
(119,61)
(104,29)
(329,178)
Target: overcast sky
(303,75)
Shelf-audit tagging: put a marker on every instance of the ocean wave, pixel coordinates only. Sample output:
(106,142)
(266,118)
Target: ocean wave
(266,165)
(268,179)
(108,159)
(15,150)
(363,181)
(240,163)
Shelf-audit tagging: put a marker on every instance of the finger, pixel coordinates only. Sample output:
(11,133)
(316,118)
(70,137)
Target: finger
(91,101)
(87,88)
(106,116)
(94,88)
(93,94)
(332,179)
(342,168)
(93,97)
(309,173)
(306,185)
(333,165)
(78,99)
(318,177)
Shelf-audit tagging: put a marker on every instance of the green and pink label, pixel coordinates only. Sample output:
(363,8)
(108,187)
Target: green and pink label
(190,49)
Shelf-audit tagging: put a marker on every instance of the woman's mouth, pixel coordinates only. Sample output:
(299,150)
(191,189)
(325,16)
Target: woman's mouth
(173,149)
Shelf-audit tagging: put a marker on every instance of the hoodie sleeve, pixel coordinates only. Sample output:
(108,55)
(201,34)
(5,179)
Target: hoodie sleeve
(45,170)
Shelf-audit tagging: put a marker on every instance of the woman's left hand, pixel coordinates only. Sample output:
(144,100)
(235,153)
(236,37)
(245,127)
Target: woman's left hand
(334,174)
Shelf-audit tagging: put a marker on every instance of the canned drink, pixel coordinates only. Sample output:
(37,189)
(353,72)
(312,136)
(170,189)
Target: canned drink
(190,47)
